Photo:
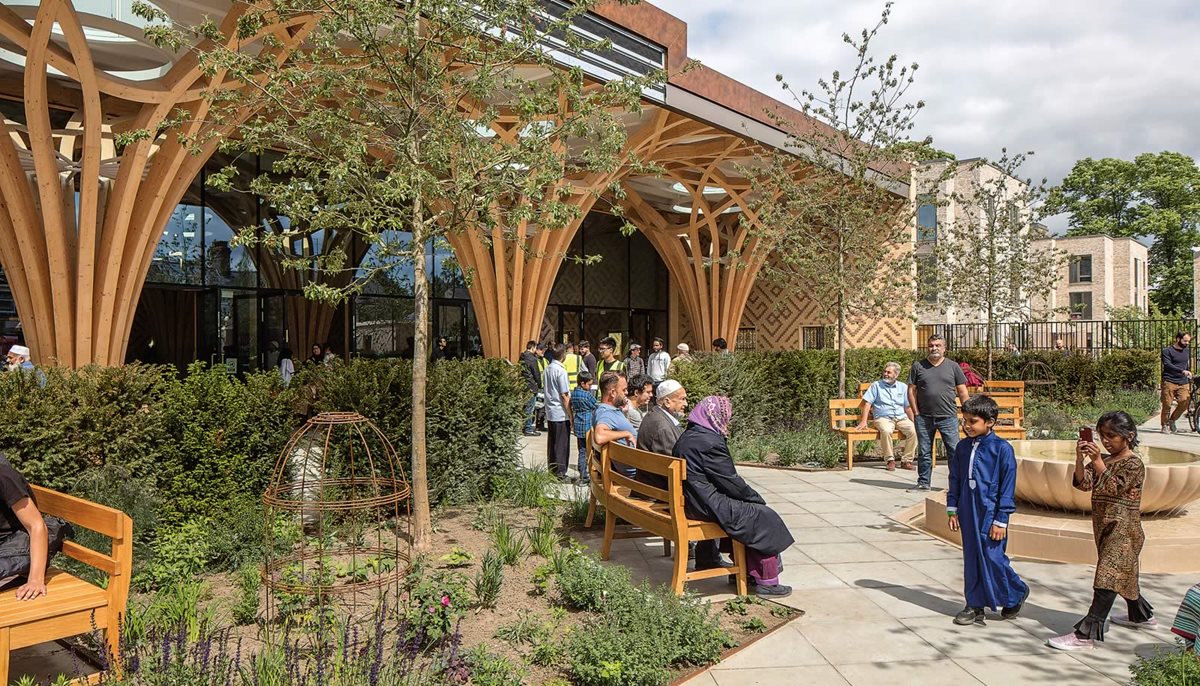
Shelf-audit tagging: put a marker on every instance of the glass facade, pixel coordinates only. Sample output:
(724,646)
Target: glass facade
(207,298)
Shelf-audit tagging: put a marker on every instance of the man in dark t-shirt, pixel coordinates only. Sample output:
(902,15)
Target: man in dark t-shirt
(1176,380)
(933,385)
(18,515)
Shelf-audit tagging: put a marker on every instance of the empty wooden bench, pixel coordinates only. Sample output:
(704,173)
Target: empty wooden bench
(71,605)
(660,512)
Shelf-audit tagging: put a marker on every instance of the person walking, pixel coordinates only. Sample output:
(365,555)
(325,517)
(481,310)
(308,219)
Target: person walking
(557,390)
(1115,481)
(1176,381)
(933,385)
(533,381)
(659,362)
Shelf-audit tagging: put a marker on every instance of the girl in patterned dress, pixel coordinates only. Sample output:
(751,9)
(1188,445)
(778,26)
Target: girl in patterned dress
(1115,481)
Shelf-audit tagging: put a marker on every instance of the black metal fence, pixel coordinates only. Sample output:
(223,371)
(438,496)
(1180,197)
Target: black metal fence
(1088,336)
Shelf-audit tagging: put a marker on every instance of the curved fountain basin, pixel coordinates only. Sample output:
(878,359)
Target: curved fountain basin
(1044,469)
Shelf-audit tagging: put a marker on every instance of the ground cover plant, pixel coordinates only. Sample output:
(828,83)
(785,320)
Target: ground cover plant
(555,615)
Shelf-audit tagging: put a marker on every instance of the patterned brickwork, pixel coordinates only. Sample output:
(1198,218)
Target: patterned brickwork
(778,313)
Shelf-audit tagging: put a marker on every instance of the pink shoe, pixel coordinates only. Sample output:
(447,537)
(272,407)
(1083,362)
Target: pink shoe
(1070,642)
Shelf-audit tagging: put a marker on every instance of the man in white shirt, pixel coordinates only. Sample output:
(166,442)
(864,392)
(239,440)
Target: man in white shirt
(886,401)
(659,361)
(557,389)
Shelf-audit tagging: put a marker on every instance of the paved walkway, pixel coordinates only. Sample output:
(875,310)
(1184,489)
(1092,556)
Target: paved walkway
(878,597)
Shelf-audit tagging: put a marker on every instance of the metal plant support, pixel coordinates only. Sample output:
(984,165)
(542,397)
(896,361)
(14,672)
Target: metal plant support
(334,537)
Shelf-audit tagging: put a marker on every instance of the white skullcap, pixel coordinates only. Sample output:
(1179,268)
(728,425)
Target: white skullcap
(19,350)
(682,347)
(666,388)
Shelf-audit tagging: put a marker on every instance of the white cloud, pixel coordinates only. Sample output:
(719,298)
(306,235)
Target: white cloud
(1071,79)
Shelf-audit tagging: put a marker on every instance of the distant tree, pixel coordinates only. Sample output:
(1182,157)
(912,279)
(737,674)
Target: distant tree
(985,258)
(1157,195)
(827,203)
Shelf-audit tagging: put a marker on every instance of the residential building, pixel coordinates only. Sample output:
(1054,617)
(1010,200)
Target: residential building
(1100,274)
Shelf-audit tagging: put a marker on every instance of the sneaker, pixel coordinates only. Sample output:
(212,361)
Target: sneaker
(1012,612)
(1174,428)
(891,465)
(775,591)
(531,433)
(970,615)
(909,466)
(1070,642)
(1124,620)
(919,488)
(1162,428)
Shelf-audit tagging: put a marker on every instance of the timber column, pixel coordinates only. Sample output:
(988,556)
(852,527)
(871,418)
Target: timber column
(79,216)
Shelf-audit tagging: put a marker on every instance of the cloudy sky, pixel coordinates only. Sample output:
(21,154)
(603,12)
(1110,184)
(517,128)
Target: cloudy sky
(1069,79)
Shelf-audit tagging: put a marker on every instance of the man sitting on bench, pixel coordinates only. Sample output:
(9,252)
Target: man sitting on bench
(887,401)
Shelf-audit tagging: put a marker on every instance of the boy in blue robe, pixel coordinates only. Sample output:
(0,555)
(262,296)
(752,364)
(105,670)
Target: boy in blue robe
(981,498)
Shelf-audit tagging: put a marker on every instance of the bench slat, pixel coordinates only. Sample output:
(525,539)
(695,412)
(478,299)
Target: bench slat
(98,518)
(64,594)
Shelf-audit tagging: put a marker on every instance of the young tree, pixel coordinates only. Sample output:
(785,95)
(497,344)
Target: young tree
(986,261)
(831,204)
(413,121)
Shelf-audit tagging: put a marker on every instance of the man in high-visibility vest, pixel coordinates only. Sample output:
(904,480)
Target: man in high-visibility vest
(573,363)
(542,363)
(609,362)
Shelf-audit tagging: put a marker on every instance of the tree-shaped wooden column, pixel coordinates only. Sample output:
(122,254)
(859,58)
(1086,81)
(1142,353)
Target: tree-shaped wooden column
(712,251)
(81,216)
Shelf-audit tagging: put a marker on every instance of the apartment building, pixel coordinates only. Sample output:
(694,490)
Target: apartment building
(1099,274)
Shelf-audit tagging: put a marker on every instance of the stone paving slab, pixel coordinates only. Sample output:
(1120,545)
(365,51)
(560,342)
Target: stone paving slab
(879,597)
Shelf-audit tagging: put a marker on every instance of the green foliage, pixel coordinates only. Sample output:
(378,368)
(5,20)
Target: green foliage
(527,487)
(488,580)
(474,411)
(180,553)
(490,669)
(741,604)
(750,448)
(486,517)
(456,558)
(509,544)
(1155,195)
(586,584)
(436,602)
(178,608)
(543,539)
(753,625)
(1167,668)
(1061,420)
(814,446)
(576,508)
(249,584)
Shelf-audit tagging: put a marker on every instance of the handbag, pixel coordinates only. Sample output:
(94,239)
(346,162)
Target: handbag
(14,548)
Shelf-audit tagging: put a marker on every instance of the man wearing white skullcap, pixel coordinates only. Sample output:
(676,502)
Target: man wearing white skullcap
(18,358)
(684,353)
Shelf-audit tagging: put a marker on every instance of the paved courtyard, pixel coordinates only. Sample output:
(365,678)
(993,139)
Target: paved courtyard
(878,596)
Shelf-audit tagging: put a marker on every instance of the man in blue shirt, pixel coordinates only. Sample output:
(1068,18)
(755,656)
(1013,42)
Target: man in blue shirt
(610,423)
(886,401)
(557,388)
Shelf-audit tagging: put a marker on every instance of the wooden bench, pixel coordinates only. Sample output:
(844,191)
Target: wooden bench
(598,466)
(844,416)
(659,512)
(71,605)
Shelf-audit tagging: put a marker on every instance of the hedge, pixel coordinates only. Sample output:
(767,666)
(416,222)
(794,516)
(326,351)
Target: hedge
(207,442)
(781,391)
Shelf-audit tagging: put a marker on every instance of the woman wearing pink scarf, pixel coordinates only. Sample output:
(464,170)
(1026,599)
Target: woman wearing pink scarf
(714,492)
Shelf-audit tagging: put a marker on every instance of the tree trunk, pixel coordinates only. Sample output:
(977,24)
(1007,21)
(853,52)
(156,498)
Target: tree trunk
(841,336)
(990,329)
(422,526)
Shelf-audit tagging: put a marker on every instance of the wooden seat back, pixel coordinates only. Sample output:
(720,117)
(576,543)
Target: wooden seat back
(1003,388)
(843,413)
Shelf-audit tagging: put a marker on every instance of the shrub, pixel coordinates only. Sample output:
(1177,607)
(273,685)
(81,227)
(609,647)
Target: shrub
(490,669)
(1167,668)
(526,488)
(543,539)
(585,584)
(180,554)
(436,602)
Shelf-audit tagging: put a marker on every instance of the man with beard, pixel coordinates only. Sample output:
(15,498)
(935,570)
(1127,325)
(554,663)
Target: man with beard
(933,384)
(609,422)
(1176,380)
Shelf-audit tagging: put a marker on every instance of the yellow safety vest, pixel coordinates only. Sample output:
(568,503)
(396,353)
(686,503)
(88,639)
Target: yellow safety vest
(573,364)
(542,364)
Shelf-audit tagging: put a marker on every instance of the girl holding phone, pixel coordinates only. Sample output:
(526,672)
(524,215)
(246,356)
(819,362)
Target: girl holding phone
(1115,482)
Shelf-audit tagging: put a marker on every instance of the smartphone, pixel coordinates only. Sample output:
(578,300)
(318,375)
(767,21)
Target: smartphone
(1085,434)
